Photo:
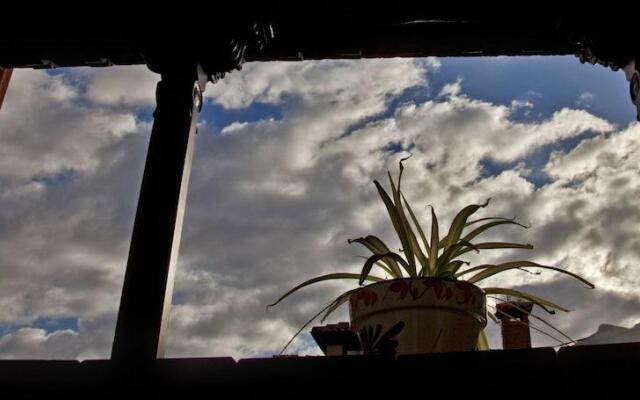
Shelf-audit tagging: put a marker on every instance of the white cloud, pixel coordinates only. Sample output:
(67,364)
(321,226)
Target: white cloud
(451,89)
(272,202)
(118,86)
(69,179)
(585,99)
(319,82)
(517,104)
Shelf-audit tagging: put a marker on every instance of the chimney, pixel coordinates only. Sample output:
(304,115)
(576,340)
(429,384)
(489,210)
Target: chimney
(336,339)
(514,318)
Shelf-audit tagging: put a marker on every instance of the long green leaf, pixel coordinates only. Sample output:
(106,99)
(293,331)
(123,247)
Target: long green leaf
(534,316)
(382,266)
(386,269)
(417,250)
(433,254)
(455,230)
(449,270)
(493,245)
(327,277)
(530,326)
(449,252)
(337,303)
(475,221)
(413,247)
(492,317)
(483,342)
(489,225)
(546,305)
(328,308)
(302,328)
(366,269)
(425,242)
(398,226)
(383,248)
(490,270)
(377,246)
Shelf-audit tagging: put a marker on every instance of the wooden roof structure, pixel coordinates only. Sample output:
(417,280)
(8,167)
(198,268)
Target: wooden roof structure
(281,31)
(205,42)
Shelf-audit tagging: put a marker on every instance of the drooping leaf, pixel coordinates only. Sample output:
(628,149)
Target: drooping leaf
(302,328)
(529,325)
(385,269)
(381,265)
(459,221)
(488,270)
(366,269)
(383,248)
(483,342)
(468,237)
(546,305)
(377,246)
(327,277)
(492,246)
(492,317)
(340,300)
(475,221)
(538,318)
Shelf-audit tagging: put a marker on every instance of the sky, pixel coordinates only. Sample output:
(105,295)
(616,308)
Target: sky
(282,176)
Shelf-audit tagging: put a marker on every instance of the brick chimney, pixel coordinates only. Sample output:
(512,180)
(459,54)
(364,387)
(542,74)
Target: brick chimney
(336,339)
(514,318)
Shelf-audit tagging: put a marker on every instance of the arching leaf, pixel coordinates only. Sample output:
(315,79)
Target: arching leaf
(366,269)
(488,270)
(327,277)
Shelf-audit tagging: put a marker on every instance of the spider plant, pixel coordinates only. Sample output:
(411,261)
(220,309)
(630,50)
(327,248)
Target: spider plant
(435,255)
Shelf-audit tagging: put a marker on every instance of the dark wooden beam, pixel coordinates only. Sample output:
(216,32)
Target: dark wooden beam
(148,284)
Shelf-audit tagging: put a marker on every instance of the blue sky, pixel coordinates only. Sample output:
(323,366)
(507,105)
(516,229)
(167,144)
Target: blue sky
(548,83)
(282,176)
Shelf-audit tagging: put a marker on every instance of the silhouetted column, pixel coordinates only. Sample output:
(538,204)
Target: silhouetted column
(148,283)
(514,320)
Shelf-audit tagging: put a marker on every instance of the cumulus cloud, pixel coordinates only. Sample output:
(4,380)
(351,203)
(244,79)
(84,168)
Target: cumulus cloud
(273,201)
(317,82)
(585,99)
(132,86)
(69,179)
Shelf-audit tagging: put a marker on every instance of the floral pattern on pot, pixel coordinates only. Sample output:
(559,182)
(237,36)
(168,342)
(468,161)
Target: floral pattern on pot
(418,315)
(399,290)
(374,342)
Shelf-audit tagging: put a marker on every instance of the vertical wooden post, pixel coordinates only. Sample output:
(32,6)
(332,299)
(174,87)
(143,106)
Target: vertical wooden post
(5,77)
(148,284)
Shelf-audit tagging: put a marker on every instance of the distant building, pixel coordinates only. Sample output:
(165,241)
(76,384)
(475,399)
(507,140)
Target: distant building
(607,334)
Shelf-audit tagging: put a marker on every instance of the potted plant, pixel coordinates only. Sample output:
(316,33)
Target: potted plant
(428,300)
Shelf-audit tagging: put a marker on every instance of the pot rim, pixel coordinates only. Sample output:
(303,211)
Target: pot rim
(413,278)
(481,317)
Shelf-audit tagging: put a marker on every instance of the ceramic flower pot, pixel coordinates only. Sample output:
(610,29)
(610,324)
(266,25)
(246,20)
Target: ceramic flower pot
(417,316)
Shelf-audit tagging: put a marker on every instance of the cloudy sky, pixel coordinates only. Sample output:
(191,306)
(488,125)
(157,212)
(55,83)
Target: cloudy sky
(282,177)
